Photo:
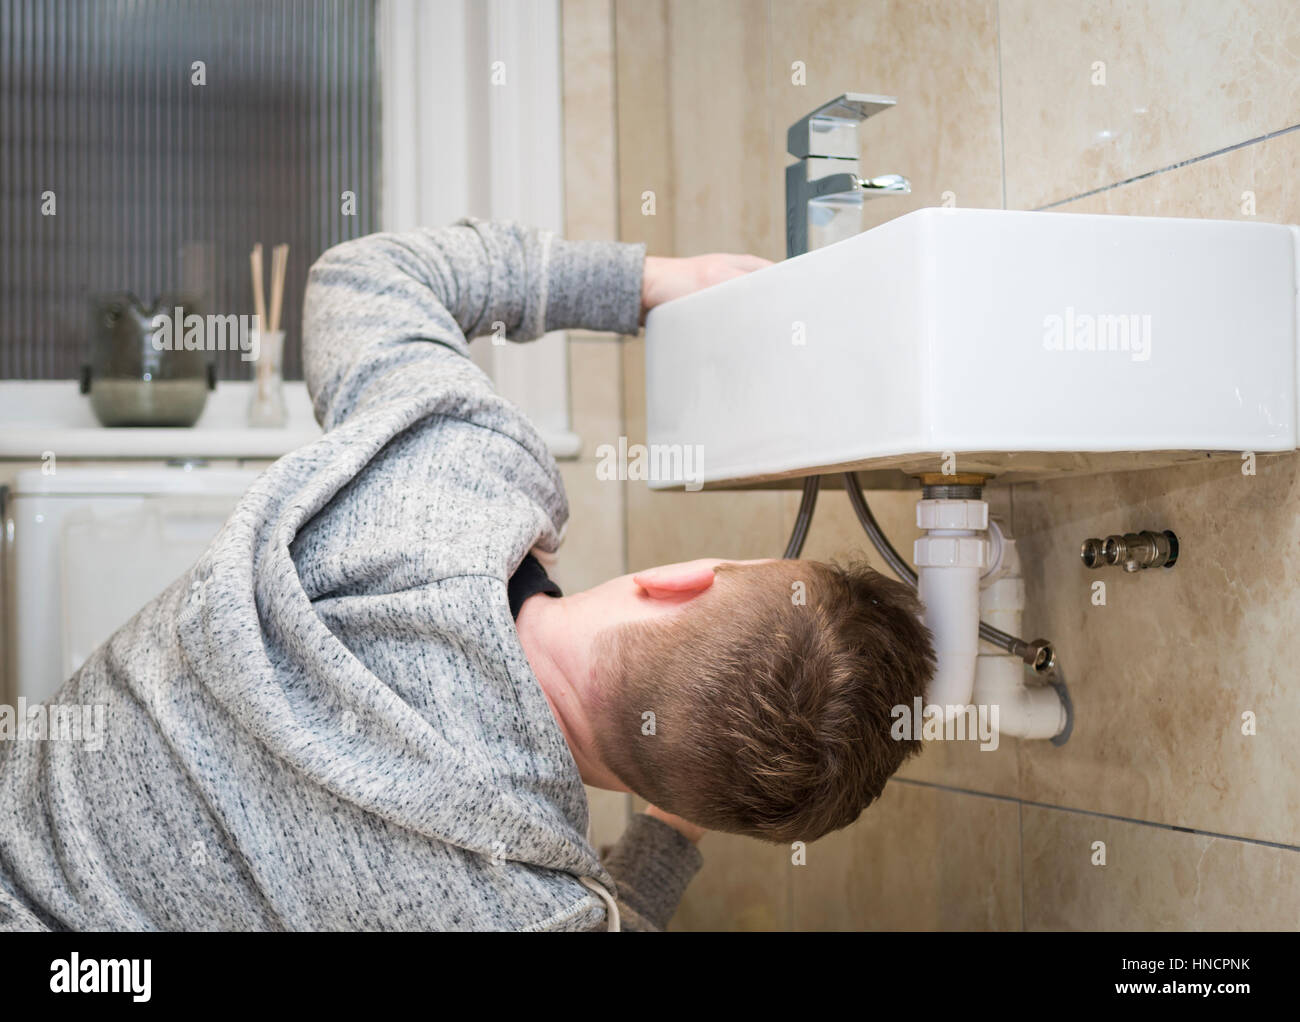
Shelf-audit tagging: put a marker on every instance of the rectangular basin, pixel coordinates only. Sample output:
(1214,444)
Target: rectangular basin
(1011,344)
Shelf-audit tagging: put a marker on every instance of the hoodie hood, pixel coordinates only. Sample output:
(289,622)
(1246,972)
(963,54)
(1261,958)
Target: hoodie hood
(413,735)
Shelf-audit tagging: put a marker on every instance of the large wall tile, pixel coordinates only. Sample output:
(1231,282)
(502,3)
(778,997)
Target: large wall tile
(634,389)
(668,526)
(1255,182)
(727,187)
(1154,878)
(939,60)
(922,858)
(645,158)
(592,551)
(743,885)
(590,160)
(1162,674)
(596,390)
(1183,78)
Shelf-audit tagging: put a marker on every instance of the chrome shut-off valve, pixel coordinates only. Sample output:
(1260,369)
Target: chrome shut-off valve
(1133,551)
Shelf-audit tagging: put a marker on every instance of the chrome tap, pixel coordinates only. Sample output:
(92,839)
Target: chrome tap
(823,187)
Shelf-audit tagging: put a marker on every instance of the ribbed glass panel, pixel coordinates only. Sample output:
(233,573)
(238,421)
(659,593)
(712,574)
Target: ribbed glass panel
(161,184)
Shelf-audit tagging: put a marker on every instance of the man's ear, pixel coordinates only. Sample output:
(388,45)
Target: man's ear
(677,581)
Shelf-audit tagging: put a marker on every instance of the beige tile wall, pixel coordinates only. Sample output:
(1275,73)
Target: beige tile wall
(938,59)
(1180,78)
(1000,103)
(594,548)
(1151,879)
(910,863)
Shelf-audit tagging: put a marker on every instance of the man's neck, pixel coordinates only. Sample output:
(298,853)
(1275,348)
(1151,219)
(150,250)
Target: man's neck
(557,637)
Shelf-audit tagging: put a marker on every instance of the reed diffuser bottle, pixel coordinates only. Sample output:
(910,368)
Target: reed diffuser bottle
(266,403)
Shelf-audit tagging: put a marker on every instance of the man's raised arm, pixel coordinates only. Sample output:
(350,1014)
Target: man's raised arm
(374,305)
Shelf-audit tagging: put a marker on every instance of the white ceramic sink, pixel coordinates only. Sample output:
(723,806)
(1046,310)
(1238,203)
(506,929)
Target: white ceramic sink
(964,333)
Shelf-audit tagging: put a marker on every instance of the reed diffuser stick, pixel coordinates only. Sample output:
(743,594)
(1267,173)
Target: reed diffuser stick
(259,300)
(279,264)
(259,307)
(266,364)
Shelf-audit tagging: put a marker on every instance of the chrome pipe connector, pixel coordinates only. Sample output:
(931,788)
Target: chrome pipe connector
(1133,551)
(1038,655)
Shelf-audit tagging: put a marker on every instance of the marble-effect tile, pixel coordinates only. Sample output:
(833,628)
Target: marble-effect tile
(1179,80)
(1093,873)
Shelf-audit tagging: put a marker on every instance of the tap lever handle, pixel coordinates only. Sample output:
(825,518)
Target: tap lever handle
(831,129)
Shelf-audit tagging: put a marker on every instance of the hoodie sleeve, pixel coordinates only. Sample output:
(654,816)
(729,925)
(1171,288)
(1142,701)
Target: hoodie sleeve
(652,863)
(373,305)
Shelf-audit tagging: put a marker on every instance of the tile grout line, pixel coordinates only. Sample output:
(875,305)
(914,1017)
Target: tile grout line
(1020,821)
(773,128)
(620,343)
(617,171)
(1002,115)
(1162,170)
(953,789)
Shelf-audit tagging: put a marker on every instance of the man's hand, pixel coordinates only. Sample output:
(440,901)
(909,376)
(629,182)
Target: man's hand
(664,279)
(687,829)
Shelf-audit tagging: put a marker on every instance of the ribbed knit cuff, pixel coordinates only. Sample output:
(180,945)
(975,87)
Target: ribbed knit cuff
(594,285)
(652,864)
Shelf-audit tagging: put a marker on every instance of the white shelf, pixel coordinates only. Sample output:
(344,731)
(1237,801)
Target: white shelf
(52,415)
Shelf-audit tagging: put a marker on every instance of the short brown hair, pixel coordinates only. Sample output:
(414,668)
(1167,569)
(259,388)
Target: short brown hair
(772,714)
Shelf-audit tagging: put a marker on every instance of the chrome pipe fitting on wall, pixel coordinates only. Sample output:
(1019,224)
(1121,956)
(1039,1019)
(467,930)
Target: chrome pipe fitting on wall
(1133,551)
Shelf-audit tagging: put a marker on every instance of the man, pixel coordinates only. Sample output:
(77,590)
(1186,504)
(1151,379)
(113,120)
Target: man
(332,720)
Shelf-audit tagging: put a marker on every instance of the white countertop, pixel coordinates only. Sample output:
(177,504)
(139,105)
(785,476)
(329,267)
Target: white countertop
(52,415)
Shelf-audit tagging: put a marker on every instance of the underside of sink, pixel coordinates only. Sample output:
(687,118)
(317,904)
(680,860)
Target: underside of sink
(904,471)
(1011,344)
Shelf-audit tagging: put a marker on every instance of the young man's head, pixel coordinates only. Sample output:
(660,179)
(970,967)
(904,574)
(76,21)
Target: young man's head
(752,697)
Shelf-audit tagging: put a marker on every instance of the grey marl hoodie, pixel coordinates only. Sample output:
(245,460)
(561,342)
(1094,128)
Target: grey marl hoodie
(329,722)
